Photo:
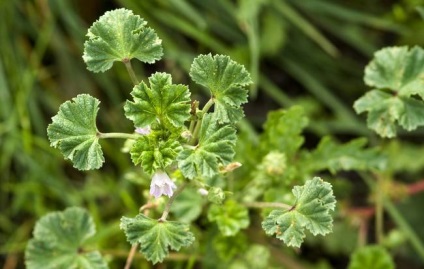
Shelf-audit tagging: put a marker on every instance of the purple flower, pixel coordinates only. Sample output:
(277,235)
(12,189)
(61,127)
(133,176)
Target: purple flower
(161,185)
(143,130)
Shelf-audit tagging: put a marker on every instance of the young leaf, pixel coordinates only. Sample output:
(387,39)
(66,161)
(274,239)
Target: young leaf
(163,101)
(375,257)
(230,217)
(349,156)
(282,131)
(216,146)
(153,154)
(314,201)
(396,76)
(119,35)
(74,132)
(58,240)
(155,237)
(225,79)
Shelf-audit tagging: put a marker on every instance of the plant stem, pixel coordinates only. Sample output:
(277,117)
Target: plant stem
(118,135)
(130,70)
(131,256)
(268,205)
(205,109)
(379,210)
(170,201)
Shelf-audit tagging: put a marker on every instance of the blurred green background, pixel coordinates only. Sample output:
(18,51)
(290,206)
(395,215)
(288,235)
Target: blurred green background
(310,52)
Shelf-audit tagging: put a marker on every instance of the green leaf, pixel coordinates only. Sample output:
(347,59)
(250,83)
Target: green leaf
(282,131)
(74,132)
(314,201)
(230,217)
(58,240)
(155,237)
(349,156)
(187,206)
(153,153)
(163,102)
(375,257)
(226,80)
(397,76)
(215,147)
(119,35)
(216,195)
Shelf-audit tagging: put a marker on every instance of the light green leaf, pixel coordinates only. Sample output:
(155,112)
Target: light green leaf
(215,147)
(314,201)
(397,76)
(282,131)
(349,156)
(58,241)
(74,132)
(153,153)
(226,80)
(230,217)
(119,35)
(155,237)
(187,206)
(375,257)
(216,195)
(163,101)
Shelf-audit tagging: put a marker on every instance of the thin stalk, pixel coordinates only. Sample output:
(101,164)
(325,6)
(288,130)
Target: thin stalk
(170,201)
(196,131)
(131,255)
(130,70)
(268,205)
(118,135)
(379,210)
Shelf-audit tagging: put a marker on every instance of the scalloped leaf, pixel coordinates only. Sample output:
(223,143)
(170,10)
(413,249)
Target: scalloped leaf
(215,147)
(74,132)
(58,241)
(226,80)
(397,76)
(163,101)
(154,154)
(375,257)
(230,217)
(155,237)
(119,35)
(314,202)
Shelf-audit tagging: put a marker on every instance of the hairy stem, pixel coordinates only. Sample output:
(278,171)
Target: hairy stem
(117,135)
(196,131)
(268,205)
(130,70)
(170,201)
(130,257)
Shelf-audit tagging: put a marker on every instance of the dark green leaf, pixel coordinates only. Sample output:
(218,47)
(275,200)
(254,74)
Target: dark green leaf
(119,35)
(314,201)
(226,80)
(155,237)
(215,147)
(74,132)
(163,102)
(58,240)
